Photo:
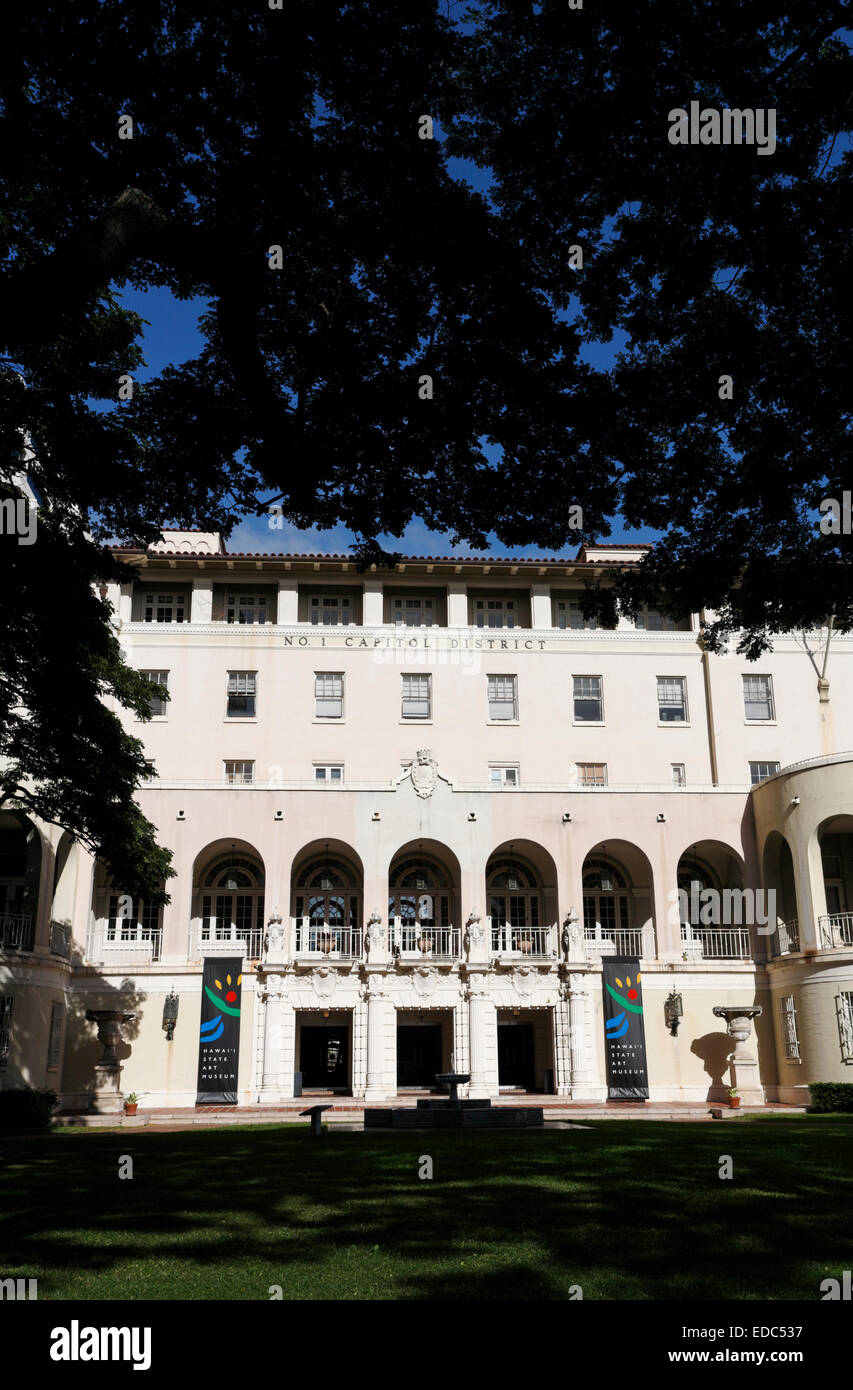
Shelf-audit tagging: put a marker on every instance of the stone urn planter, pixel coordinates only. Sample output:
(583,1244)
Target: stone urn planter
(526,945)
(426,944)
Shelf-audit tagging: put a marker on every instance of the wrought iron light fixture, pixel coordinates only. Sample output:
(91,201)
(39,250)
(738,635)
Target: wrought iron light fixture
(170,1014)
(231,877)
(673,1011)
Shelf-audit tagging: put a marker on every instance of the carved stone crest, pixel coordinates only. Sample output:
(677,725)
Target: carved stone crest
(424,773)
(324,982)
(424,981)
(524,980)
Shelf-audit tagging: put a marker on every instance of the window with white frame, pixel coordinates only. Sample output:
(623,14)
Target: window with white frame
(588,704)
(567,614)
(503,775)
(672,700)
(242,690)
(158,705)
(239,774)
(652,620)
(758,697)
(844,1008)
(592,774)
(495,612)
(246,607)
(758,772)
(331,610)
(413,611)
(328,694)
(503,697)
(679,777)
(417,697)
(5,1027)
(164,608)
(329,774)
(790,1036)
(131,919)
(54,1041)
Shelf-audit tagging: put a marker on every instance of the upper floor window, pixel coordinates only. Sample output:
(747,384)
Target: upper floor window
(758,697)
(246,607)
(242,689)
(503,775)
(239,773)
(131,919)
(790,1033)
(588,702)
(672,699)
(417,697)
(592,774)
(329,774)
(679,776)
(652,620)
(413,611)
(164,608)
(503,697)
(331,610)
(758,772)
(329,694)
(495,612)
(567,614)
(157,706)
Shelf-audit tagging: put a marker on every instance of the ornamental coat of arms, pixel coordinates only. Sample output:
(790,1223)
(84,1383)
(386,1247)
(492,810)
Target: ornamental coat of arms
(424,773)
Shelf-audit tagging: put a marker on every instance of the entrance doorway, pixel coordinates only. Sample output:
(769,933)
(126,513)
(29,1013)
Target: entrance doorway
(515,1055)
(418,1055)
(324,1057)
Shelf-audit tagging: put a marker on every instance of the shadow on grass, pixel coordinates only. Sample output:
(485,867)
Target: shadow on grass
(625,1209)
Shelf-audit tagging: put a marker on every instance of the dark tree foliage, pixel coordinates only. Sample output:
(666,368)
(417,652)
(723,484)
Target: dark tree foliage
(256,128)
(711,260)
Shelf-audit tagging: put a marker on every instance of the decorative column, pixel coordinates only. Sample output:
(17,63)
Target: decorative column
(271,1078)
(579,1043)
(743,1066)
(376,1089)
(478,1011)
(563,1042)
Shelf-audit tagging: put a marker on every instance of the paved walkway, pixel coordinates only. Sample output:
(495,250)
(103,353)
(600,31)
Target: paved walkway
(348,1112)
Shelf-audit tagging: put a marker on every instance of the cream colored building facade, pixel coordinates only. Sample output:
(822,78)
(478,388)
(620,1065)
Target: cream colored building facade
(422,806)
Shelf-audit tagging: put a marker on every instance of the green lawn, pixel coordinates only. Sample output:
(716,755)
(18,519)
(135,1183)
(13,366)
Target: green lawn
(626,1209)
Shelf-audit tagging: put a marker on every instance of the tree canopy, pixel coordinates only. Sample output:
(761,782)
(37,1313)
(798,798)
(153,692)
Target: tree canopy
(384,340)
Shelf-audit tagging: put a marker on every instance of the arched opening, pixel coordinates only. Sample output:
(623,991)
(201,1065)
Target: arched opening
(835,837)
(228,900)
(777,873)
(326,903)
(423,898)
(716,911)
(125,928)
(521,893)
(20,867)
(618,900)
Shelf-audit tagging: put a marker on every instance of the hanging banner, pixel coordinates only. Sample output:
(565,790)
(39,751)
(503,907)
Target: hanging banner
(624,1034)
(219,1035)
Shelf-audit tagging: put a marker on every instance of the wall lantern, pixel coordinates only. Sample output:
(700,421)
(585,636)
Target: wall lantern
(170,1015)
(511,874)
(673,1012)
(231,877)
(325,1013)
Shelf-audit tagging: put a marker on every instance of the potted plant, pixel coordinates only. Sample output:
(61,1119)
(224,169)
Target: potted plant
(734,1099)
(131,1101)
(526,943)
(426,943)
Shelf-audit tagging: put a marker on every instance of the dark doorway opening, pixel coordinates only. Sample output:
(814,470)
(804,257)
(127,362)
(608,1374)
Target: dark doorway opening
(515,1055)
(324,1058)
(418,1055)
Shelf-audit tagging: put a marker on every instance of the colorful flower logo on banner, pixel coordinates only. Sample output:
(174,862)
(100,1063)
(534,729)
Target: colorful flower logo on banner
(214,1028)
(618,1026)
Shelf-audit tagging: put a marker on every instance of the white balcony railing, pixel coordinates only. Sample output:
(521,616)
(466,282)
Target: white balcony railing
(16,933)
(125,947)
(836,930)
(230,941)
(317,941)
(520,943)
(720,943)
(412,941)
(785,941)
(625,943)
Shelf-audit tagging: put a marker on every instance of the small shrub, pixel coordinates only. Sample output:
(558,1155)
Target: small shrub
(832,1096)
(26,1107)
